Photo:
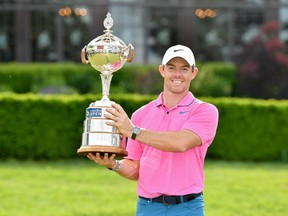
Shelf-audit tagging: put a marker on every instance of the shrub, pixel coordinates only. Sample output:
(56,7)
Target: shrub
(50,127)
(251,130)
(213,79)
(46,127)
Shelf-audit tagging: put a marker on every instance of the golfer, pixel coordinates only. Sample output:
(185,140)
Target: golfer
(167,142)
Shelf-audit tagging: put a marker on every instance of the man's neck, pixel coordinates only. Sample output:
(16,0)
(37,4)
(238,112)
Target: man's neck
(171,99)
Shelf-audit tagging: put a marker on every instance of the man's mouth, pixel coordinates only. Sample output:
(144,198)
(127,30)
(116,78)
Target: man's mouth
(177,81)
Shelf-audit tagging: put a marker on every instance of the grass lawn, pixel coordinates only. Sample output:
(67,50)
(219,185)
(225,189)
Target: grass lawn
(246,189)
(81,188)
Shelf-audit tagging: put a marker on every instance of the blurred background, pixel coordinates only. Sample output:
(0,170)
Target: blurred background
(251,34)
(55,30)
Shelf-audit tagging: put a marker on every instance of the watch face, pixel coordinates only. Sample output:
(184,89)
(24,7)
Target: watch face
(136,130)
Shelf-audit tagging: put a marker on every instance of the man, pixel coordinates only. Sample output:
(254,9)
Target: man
(168,141)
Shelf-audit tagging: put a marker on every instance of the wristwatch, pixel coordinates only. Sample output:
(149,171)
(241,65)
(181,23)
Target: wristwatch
(117,167)
(135,132)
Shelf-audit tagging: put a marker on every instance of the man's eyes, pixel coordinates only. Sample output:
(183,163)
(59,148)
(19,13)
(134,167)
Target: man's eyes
(184,69)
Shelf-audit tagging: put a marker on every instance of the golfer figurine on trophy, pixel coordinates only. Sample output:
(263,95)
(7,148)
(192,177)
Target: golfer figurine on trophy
(106,54)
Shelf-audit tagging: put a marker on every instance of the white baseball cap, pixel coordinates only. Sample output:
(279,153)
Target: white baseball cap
(179,51)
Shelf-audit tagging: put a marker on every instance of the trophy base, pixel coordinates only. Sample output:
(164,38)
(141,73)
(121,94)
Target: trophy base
(120,153)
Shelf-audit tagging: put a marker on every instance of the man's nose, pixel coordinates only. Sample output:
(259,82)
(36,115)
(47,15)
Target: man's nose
(177,72)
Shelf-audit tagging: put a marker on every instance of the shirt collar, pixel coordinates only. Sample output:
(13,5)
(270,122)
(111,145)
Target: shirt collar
(186,101)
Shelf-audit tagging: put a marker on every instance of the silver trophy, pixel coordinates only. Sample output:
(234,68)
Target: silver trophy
(106,54)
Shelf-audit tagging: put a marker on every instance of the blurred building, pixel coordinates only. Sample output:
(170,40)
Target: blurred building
(57,30)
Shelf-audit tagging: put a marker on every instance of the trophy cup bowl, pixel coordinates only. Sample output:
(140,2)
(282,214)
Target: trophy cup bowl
(106,54)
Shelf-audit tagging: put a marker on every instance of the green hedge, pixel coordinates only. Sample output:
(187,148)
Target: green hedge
(215,80)
(47,127)
(251,130)
(50,127)
(48,78)
(68,78)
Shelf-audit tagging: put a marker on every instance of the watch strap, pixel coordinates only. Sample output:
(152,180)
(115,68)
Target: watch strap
(133,136)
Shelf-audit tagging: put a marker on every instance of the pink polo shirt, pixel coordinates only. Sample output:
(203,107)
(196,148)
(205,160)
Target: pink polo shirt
(173,173)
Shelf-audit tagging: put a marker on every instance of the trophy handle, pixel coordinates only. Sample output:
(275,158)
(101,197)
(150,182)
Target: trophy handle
(131,53)
(83,56)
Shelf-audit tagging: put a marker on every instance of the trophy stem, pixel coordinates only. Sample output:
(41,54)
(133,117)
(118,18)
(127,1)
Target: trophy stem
(106,78)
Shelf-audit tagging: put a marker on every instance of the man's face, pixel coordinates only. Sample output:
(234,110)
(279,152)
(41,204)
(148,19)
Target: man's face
(177,74)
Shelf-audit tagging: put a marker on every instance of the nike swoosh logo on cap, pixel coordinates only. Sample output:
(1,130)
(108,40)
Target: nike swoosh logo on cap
(178,50)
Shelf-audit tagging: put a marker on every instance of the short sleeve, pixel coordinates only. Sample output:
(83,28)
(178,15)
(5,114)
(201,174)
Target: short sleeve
(203,121)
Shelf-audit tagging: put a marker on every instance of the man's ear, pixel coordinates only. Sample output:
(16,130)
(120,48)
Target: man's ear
(161,70)
(194,72)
